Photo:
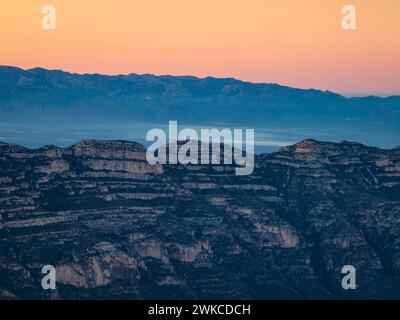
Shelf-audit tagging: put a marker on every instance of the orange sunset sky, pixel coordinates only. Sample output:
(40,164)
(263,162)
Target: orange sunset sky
(298,43)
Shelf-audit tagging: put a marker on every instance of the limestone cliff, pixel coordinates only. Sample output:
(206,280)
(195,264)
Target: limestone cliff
(116,227)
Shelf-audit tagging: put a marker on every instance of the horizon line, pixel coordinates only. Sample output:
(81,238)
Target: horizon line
(343,94)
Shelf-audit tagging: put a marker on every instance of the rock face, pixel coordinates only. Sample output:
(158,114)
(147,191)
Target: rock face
(116,227)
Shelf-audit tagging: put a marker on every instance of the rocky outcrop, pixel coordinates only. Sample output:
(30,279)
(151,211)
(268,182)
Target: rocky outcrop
(116,227)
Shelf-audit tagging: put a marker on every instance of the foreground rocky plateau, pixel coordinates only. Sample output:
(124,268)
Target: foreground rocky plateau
(116,227)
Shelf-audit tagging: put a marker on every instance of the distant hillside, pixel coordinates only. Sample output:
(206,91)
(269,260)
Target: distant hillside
(42,95)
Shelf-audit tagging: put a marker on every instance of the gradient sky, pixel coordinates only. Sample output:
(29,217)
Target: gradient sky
(291,42)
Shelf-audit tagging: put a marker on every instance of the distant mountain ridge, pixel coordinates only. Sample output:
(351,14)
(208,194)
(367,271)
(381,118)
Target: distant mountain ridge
(54,93)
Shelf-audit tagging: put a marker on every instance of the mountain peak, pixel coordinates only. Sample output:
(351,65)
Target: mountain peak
(306,145)
(318,147)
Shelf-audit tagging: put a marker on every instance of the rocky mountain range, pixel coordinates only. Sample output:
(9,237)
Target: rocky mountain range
(40,95)
(116,227)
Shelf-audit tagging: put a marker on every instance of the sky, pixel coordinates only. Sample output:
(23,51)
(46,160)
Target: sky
(297,43)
